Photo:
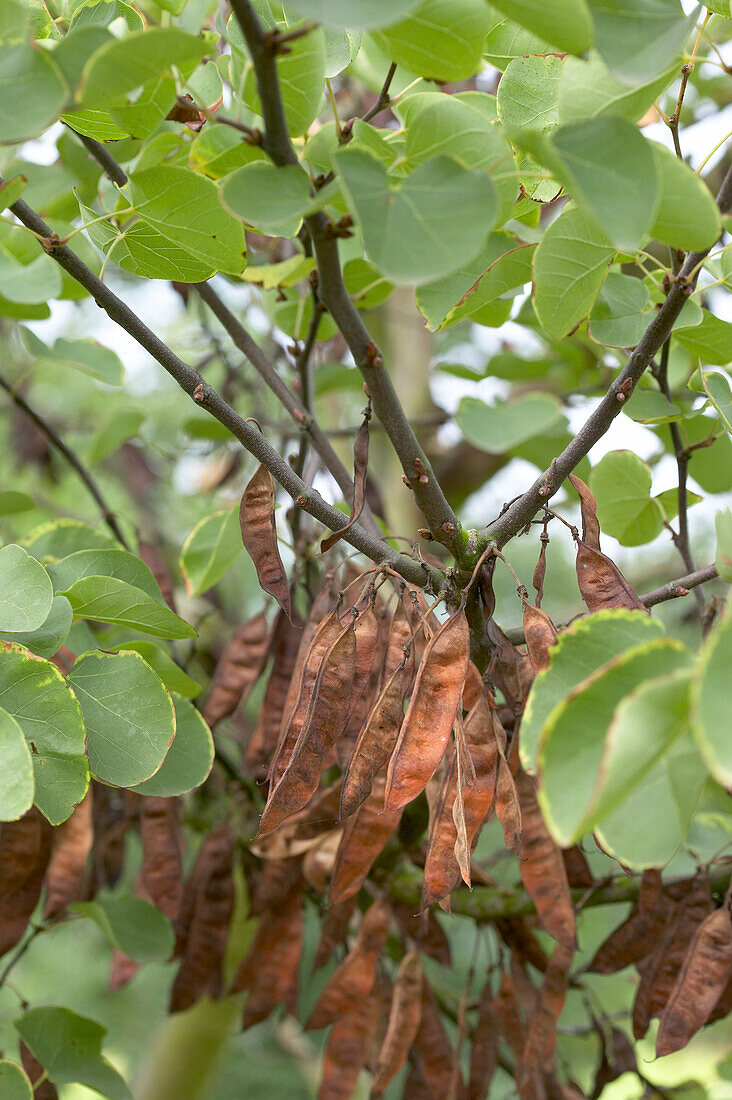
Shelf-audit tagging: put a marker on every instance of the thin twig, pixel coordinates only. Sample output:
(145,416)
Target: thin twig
(384,99)
(73,460)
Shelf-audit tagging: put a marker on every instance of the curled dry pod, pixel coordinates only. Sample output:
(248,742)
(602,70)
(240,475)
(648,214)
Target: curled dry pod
(441,870)
(25,847)
(700,983)
(632,940)
(399,636)
(600,581)
(354,978)
(72,843)
(158,566)
(540,634)
(509,1016)
(347,1049)
(508,807)
(259,535)
(431,713)
(364,838)
(376,741)
(324,722)
(237,670)
(516,934)
(404,1017)
(434,1053)
(203,922)
(333,931)
(579,875)
(162,847)
(541,1039)
(651,886)
(542,868)
(510,668)
(360,470)
(269,971)
(286,639)
(322,639)
(484,1055)
(366,629)
(425,930)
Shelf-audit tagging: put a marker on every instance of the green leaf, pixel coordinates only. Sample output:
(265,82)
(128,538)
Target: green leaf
(116,429)
(582,648)
(26,592)
(566,24)
(570,767)
(569,267)
(172,675)
(588,89)
(104,563)
(35,694)
(506,40)
(101,13)
(341,48)
(132,925)
(69,1047)
(709,465)
(723,557)
(51,635)
(651,774)
(301,74)
(710,701)
(496,428)
(355,14)
(58,538)
(287,273)
(718,390)
(687,215)
(14,1082)
(129,716)
(12,502)
(711,340)
(442,39)
(620,315)
(210,550)
(37,281)
(128,63)
(189,758)
(640,38)
(430,225)
(109,600)
(651,407)
(32,91)
(366,286)
(669,501)
(84,355)
(271,199)
(17,784)
(528,93)
(218,150)
(184,208)
(621,483)
(10,192)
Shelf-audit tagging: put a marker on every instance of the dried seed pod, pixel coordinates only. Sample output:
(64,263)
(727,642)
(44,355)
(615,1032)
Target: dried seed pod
(537,579)
(516,934)
(700,983)
(508,806)
(364,838)
(540,634)
(366,629)
(509,1016)
(484,1055)
(541,1040)
(25,846)
(399,636)
(44,1090)
(425,930)
(259,535)
(324,722)
(404,1017)
(319,860)
(510,668)
(431,713)
(333,931)
(441,870)
(286,640)
(237,670)
(162,847)
(434,1053)
(588,507)
(579,875)
(360,470)
(157,565)
(72,843)
(354,978)
(269,971)
(600,581)
(632,940)
(542,868)
(347,1049)
(651,886)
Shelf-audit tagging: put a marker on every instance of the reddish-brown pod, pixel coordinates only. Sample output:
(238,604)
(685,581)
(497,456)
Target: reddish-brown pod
(600,581)
(25,847)
(238,669)
(66,872)
(542,868)
(441,870)
(366,629)
(404,1017)
(540,635)
(364,838)
(162,848)
(45,1089)
(259,535)
(541,1039)
(333,931)
(484,1055)
(400,635)
(270,970)
(632,940)
(286,639)
(700,983)
(354,978)
(347,1049)
(360,470)
(158,566)
(435,1055)
(508,807)
(431,712)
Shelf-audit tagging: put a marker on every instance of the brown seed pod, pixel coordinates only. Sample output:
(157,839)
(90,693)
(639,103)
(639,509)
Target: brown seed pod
(354,978)
(158,566)
(600,581)
(650,890)
(516,934)
(428,722)
(425,930)
(540,634)
(399,636)
(484,1055)
(579,875)
(347,1049)
(364,838)
(508,807)
(44,1090)
(700,983)
(541,1040)
(542,868)
(404,1017)
(25,847)
(269,971)
(588,507)
(366,629)
(324,722)
(434,1053)
(632,940)
(286,640)
(72,843)
(360,470)
(238,669)
(510,668)
(162,847)
(441,870)
(509,1016)
(333,931)
(259,535)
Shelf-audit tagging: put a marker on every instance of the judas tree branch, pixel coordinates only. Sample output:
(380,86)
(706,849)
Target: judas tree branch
(307,498)
(515,518)
(428,494)
(72,459)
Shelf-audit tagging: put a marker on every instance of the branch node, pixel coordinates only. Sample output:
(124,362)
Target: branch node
(373,357)
(301,500)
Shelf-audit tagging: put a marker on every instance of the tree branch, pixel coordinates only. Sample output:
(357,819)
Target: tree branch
(431,500)
(525,507)
(307,498)
(73,460)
